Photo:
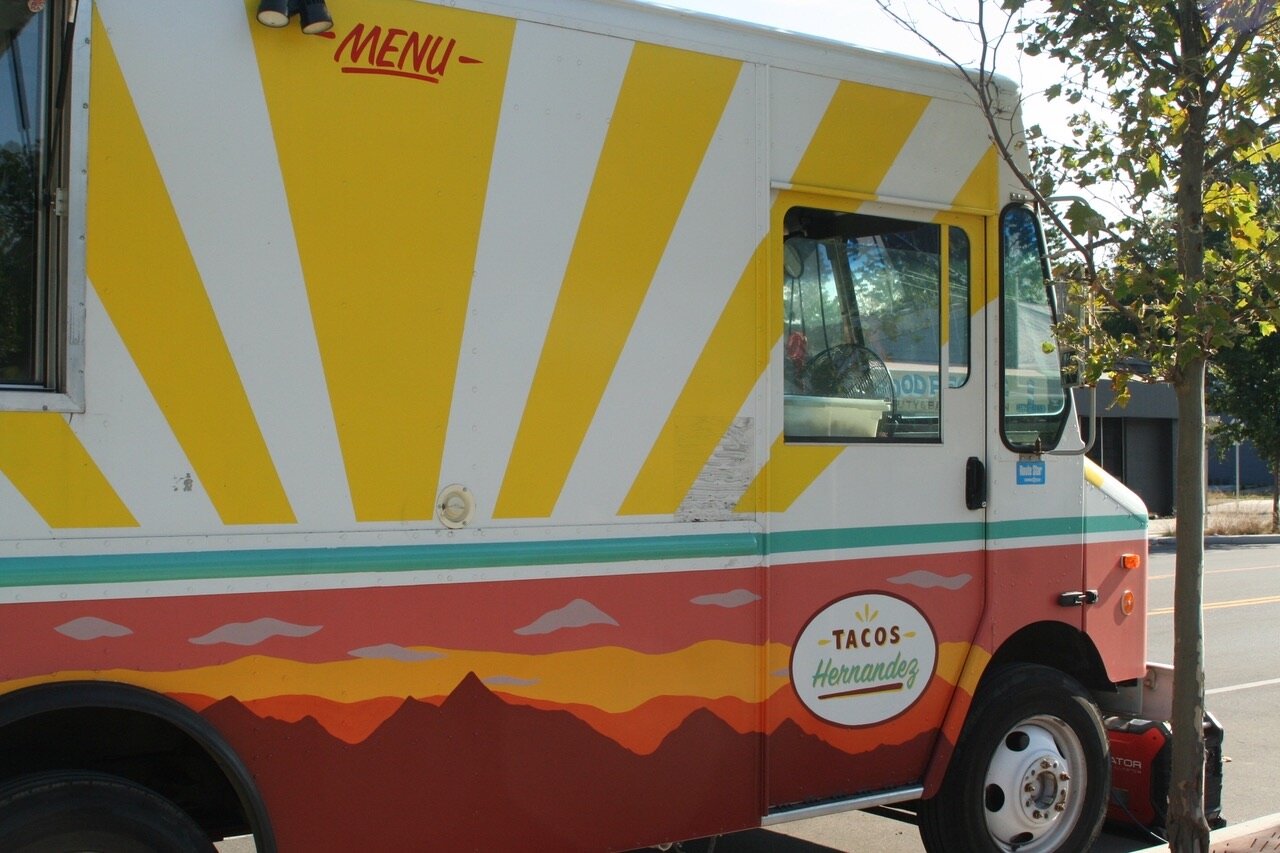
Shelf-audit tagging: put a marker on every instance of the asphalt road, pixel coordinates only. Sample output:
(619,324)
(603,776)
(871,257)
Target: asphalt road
(1242,683)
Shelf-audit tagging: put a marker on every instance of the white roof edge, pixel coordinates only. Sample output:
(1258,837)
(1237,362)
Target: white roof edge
(664,24)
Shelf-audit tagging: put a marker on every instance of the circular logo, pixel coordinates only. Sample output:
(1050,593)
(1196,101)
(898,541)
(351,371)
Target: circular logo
(863,659)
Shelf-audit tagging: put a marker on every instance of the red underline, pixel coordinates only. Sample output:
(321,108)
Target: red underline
(884,688)
(391,72)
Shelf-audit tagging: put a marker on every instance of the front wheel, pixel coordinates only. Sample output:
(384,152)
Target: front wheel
(1030,772)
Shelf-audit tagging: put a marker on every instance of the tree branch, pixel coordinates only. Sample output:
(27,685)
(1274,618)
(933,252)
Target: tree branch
(982,87)
(1220,158)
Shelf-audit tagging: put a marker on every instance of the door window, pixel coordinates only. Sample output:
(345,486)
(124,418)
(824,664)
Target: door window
(862,321)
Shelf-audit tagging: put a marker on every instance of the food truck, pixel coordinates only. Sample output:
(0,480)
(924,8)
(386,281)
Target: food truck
(532,425)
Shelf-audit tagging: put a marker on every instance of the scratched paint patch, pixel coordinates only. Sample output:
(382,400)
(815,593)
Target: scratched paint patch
(863,659)
(724,478)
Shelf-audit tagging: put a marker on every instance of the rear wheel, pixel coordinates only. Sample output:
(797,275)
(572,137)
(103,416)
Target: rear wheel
(1030,772)
(81,811)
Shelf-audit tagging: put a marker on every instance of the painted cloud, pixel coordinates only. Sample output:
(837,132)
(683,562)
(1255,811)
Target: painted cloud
(928,580)
(390,651)
(733,598)
(576,614)
(252,633)
(92,628)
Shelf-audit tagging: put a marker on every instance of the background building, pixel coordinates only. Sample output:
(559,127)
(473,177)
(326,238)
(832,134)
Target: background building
(1136,444)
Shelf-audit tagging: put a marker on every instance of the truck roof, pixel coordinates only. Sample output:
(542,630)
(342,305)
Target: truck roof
(707,33)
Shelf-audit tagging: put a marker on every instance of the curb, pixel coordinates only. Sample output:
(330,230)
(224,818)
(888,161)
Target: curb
(1257,539)
(1241,837)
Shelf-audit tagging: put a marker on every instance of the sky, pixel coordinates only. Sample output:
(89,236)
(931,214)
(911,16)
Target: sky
(864,23)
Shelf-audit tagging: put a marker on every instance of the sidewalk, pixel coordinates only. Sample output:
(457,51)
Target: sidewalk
(1261,835)
(1256,836)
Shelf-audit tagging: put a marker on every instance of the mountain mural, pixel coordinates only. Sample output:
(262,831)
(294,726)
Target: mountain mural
(477,772)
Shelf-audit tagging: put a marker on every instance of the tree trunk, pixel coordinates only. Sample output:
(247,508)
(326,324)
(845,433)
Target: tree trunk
(1187,826)
(1188,829)
(1275,500)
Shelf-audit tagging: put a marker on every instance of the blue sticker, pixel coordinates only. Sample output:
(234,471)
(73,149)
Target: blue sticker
(1031,473)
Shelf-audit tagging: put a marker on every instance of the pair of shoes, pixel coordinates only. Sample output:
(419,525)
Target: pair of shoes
(313,14)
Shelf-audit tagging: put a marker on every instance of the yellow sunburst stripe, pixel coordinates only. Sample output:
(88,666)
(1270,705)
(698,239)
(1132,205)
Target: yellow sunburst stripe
(1094,473)
(980,188)
(722,379)
(386,177)
(142,268)
(859,138)
(668,108)
(736,355)
(47,464)
(980,192)
(791,469)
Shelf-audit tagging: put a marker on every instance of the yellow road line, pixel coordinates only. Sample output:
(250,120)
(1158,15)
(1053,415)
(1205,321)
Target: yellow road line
(1221,605)
(1217,572)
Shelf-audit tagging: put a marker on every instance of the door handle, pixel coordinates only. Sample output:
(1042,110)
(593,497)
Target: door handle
(975,483)
(1078,599)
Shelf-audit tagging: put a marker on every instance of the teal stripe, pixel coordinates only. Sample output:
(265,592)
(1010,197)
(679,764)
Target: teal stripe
(873,537)
(214,565)
(927,534)
(1072,526)
(1115,523)
(128,568)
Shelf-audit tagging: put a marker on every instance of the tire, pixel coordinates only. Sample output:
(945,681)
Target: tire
(1031,771)
(61,811)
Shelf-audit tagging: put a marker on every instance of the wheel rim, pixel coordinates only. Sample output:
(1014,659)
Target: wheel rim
(1035,786)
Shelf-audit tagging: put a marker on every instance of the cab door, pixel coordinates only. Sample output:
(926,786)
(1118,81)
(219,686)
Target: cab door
(875,509)
(1037,483)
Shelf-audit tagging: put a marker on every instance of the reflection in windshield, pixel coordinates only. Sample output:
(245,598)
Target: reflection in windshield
(1034,410)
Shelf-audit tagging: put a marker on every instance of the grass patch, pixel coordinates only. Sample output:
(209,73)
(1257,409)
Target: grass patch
(1238,524)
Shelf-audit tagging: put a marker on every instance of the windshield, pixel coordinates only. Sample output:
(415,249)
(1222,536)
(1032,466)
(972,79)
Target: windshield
(1034,409)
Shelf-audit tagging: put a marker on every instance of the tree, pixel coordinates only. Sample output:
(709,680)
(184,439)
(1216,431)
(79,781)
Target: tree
(1244,382)
(1244,387)
(1175,96)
